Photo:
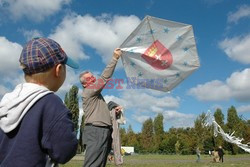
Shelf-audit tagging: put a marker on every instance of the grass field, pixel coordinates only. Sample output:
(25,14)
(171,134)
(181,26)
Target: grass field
(171,161)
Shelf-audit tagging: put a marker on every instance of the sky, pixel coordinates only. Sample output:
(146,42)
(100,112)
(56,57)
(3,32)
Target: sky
(89,31)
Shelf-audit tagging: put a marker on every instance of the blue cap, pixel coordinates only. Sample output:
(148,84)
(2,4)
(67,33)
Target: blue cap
(70,62)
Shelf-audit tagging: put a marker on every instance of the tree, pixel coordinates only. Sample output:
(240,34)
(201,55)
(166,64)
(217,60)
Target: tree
(131,136)
(169,141)
(123,136)
(158,131)
(200,129)
(219,118)
(244,133)
(233,126)
(232,118)
(147,135)
(71,101)
(202,132)
(186,141)
(158,125)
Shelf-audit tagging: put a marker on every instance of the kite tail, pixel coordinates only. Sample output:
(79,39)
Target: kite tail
(227,137)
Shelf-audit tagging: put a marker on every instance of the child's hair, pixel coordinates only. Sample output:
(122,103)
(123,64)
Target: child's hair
(41,77)
(48,78)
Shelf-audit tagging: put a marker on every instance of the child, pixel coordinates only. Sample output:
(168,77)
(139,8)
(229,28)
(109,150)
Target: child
(34,123)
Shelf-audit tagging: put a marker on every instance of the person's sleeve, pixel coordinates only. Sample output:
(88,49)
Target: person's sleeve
(112,105)
(109,70)
(59,139)
(100,83)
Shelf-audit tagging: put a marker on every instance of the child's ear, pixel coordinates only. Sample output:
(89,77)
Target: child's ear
(58,69)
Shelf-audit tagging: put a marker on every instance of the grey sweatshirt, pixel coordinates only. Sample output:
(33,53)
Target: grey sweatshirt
(94,106)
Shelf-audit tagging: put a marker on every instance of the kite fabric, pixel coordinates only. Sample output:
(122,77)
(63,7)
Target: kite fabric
(227,137)
(159,54)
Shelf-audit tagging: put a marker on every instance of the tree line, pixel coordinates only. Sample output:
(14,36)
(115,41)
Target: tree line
(154,139)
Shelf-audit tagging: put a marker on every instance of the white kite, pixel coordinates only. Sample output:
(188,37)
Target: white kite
(159,54)
(210,120)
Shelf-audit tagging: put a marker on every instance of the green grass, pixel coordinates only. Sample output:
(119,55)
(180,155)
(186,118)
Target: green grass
(171,161)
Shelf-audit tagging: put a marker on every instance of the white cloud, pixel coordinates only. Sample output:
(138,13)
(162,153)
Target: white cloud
(140,118)
(239,85)
(243,11)
(14,79)
(211,91)
(156,109)
(117,100)
(143,104)
(3,90)
(34,10)
(177,119)
(31,34)
(237,48)
(171,114)
(103,33)
(9,55)
(236,86)
(144,101)
(245,108)
(8,82)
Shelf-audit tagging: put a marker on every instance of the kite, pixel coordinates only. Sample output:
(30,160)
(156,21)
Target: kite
(159,54)
(227,137)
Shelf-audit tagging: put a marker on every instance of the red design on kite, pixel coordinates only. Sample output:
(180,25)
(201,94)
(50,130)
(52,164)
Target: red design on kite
(159,57)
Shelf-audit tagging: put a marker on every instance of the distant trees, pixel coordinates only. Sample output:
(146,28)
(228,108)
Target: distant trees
(154,139)
(147,140)
(158,132)
(131,137)
(219,118)
(233,126)
(71,101)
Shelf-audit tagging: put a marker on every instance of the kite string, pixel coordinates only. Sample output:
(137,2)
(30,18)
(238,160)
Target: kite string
(151,30)
(227,137)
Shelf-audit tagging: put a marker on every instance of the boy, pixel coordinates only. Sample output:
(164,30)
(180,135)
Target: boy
(34,123)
